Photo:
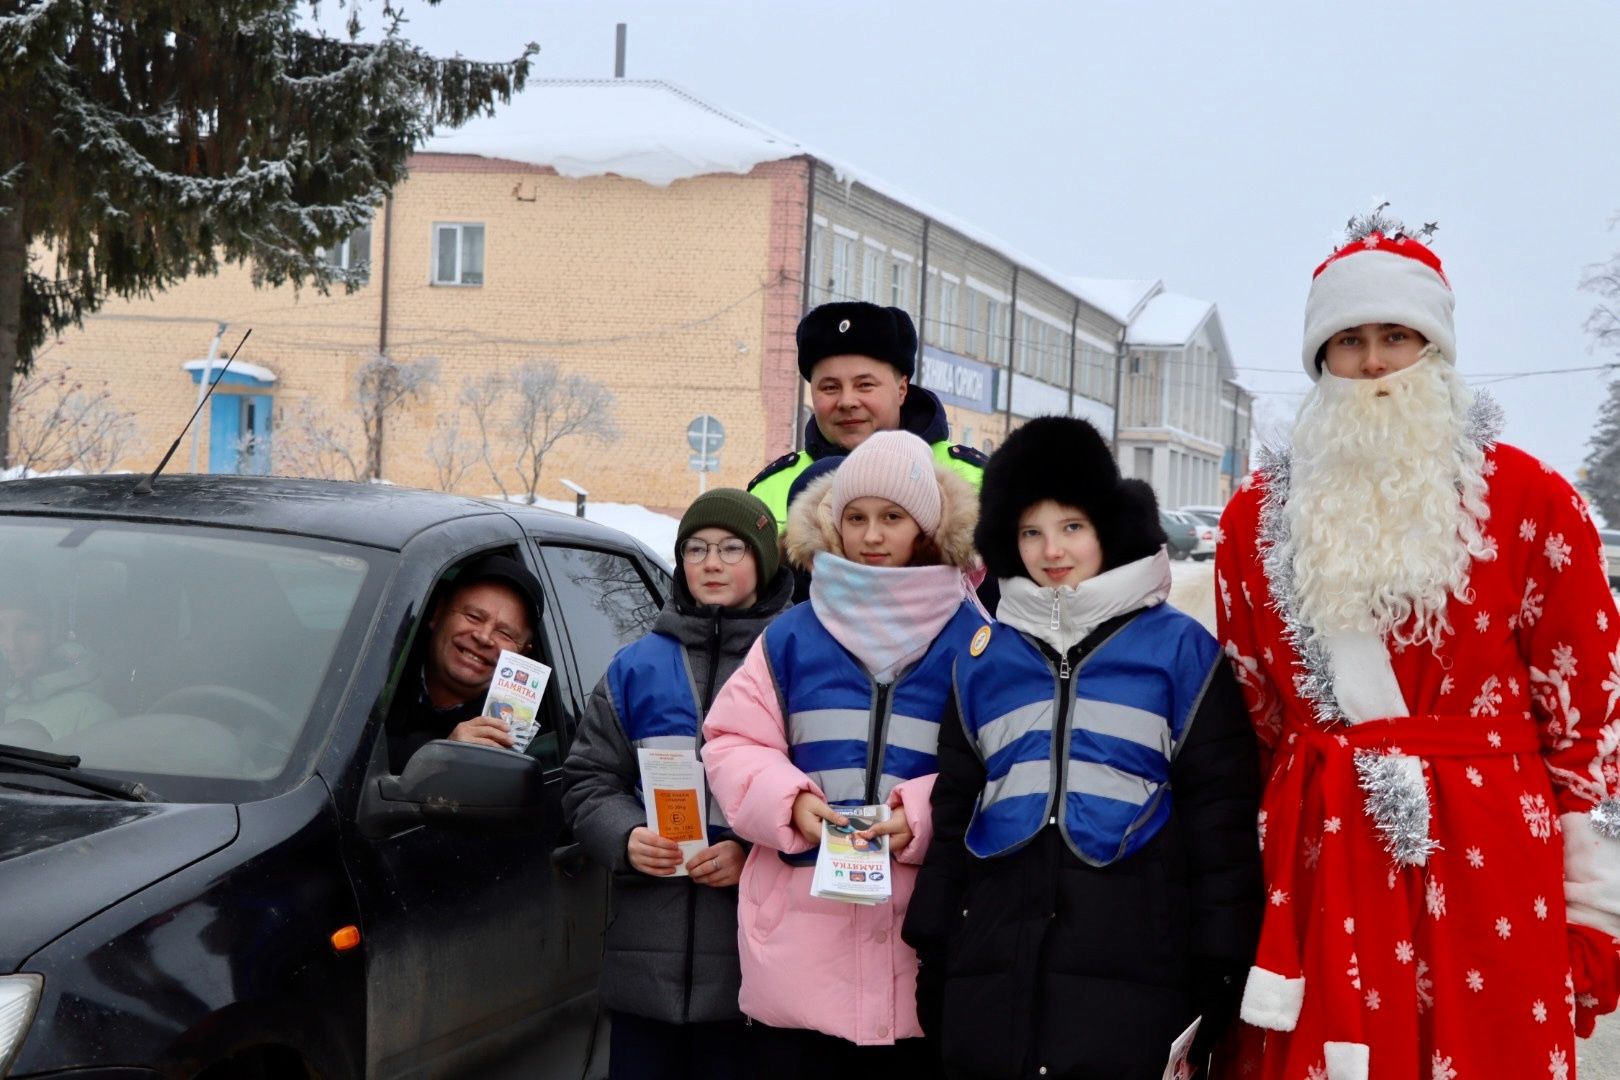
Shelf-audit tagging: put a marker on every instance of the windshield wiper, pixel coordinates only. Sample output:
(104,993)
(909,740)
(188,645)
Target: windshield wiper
(66,766)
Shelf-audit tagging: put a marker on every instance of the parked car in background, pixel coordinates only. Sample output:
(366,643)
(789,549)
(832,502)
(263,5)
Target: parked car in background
(1207,519)
(216,876)
(1180,534)
(1611,554)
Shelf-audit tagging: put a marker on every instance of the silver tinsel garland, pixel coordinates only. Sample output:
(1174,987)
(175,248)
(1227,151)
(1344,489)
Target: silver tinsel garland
(1313,680)
(1361,226)
(1485,419)
(1398,803)
(1606,818)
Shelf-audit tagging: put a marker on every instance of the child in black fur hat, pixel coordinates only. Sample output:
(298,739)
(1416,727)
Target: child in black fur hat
(1095,876)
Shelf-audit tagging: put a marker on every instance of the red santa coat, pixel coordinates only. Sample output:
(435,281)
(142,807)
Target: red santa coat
(1458,968)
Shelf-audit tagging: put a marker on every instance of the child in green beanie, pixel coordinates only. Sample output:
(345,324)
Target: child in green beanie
(669,972)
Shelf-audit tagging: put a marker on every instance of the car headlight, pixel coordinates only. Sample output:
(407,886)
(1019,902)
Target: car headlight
(19,996)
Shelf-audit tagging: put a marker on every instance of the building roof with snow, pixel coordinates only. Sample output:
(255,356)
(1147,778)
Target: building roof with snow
(1171,321)
(654,131)
(1121,298)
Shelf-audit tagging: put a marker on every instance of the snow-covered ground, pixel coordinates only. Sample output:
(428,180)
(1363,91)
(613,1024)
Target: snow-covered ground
(1192,589)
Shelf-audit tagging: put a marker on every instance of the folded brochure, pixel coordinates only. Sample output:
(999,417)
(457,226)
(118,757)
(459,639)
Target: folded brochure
(673,794)
(514,696)
(848,868)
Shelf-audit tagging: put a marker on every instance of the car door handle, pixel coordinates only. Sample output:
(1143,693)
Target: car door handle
(569,858)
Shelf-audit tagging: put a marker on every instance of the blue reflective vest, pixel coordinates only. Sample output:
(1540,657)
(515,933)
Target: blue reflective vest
(1106,750)
(854,737)
(656,701)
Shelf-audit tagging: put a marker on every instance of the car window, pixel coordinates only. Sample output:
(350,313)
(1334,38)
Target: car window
(182,655)
(605,602)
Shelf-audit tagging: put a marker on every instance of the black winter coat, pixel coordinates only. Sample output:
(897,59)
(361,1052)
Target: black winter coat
(671,947)
(1037,964)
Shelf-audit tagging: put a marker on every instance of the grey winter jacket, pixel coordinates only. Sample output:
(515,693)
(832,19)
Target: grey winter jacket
(671,949)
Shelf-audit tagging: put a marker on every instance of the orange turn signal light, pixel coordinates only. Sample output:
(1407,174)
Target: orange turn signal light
(345,938)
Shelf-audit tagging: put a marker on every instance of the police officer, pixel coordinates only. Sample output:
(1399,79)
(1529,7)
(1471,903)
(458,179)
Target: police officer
(858,359)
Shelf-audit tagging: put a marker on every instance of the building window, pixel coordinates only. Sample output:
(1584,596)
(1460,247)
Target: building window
(843,268)
(458,254)
(869,276)
(898,275)
(947,314)
(818,260)
(352,254)
(996,331)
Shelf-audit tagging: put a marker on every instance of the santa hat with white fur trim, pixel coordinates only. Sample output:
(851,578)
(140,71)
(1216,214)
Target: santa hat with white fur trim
(1380,274)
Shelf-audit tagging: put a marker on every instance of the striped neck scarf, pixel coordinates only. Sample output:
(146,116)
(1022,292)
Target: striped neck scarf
(886,616)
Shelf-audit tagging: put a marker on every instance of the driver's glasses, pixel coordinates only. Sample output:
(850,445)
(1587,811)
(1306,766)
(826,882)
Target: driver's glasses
(509,638)
(731,551)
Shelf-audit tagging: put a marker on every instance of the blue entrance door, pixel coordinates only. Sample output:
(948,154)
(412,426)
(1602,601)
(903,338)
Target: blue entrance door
(239,433)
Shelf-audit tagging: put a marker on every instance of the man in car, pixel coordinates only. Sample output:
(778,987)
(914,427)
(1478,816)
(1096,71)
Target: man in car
(493,603)
(858,359)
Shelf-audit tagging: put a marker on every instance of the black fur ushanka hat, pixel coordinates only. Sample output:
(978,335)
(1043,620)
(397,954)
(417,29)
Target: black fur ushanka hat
(857,328)
(1067,461)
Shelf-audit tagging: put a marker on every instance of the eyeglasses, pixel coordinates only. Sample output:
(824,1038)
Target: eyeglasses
(507,637)
(731,551)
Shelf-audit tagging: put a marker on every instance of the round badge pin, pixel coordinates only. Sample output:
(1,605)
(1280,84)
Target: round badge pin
(981,641)
(843,327)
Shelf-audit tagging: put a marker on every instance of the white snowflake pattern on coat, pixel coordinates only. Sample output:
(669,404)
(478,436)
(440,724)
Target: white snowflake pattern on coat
(1537,815)
(1557,552)
(1434,897)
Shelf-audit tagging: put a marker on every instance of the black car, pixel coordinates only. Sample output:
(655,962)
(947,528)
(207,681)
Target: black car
(206,868)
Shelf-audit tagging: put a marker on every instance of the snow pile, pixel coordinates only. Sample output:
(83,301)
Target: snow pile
(655,530)
(641,129)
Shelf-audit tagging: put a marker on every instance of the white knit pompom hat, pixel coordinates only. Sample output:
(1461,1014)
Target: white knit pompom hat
(893,465)
(1379,276)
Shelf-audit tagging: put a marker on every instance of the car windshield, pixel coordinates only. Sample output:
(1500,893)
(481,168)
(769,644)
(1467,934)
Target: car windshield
(190,659)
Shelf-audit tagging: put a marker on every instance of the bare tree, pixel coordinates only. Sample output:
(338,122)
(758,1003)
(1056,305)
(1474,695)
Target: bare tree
(453,457)
(530,410)
(58,424)
(309,441)
(381,385)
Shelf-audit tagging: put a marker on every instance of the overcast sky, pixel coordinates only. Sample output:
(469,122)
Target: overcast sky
(1215,146)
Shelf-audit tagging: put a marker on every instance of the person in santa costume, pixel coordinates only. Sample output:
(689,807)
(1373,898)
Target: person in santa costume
(1419,620)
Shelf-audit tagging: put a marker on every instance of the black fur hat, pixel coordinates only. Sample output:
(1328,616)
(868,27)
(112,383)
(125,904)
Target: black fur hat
(859,329)
(1068,461)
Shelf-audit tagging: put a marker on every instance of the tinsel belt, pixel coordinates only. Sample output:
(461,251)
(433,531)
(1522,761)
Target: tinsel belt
(1381,762)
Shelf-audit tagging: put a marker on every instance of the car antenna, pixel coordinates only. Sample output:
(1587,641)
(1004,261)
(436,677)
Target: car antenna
(145,486)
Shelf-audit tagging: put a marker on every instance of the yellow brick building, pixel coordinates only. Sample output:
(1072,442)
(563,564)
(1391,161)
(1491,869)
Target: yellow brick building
(631,234)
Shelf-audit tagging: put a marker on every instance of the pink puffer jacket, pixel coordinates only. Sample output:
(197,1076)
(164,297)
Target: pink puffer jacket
(833,967)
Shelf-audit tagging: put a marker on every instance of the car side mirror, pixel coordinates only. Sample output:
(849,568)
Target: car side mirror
(446,782)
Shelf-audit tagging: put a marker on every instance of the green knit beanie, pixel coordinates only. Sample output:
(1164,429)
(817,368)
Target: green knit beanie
(740,514)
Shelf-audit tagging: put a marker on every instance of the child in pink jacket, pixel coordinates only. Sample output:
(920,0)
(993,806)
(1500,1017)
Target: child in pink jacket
(838,704)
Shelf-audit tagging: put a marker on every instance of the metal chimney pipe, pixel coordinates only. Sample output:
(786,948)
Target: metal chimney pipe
(618,50)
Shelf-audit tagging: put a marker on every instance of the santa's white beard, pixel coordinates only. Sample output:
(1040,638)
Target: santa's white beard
(1386,501)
